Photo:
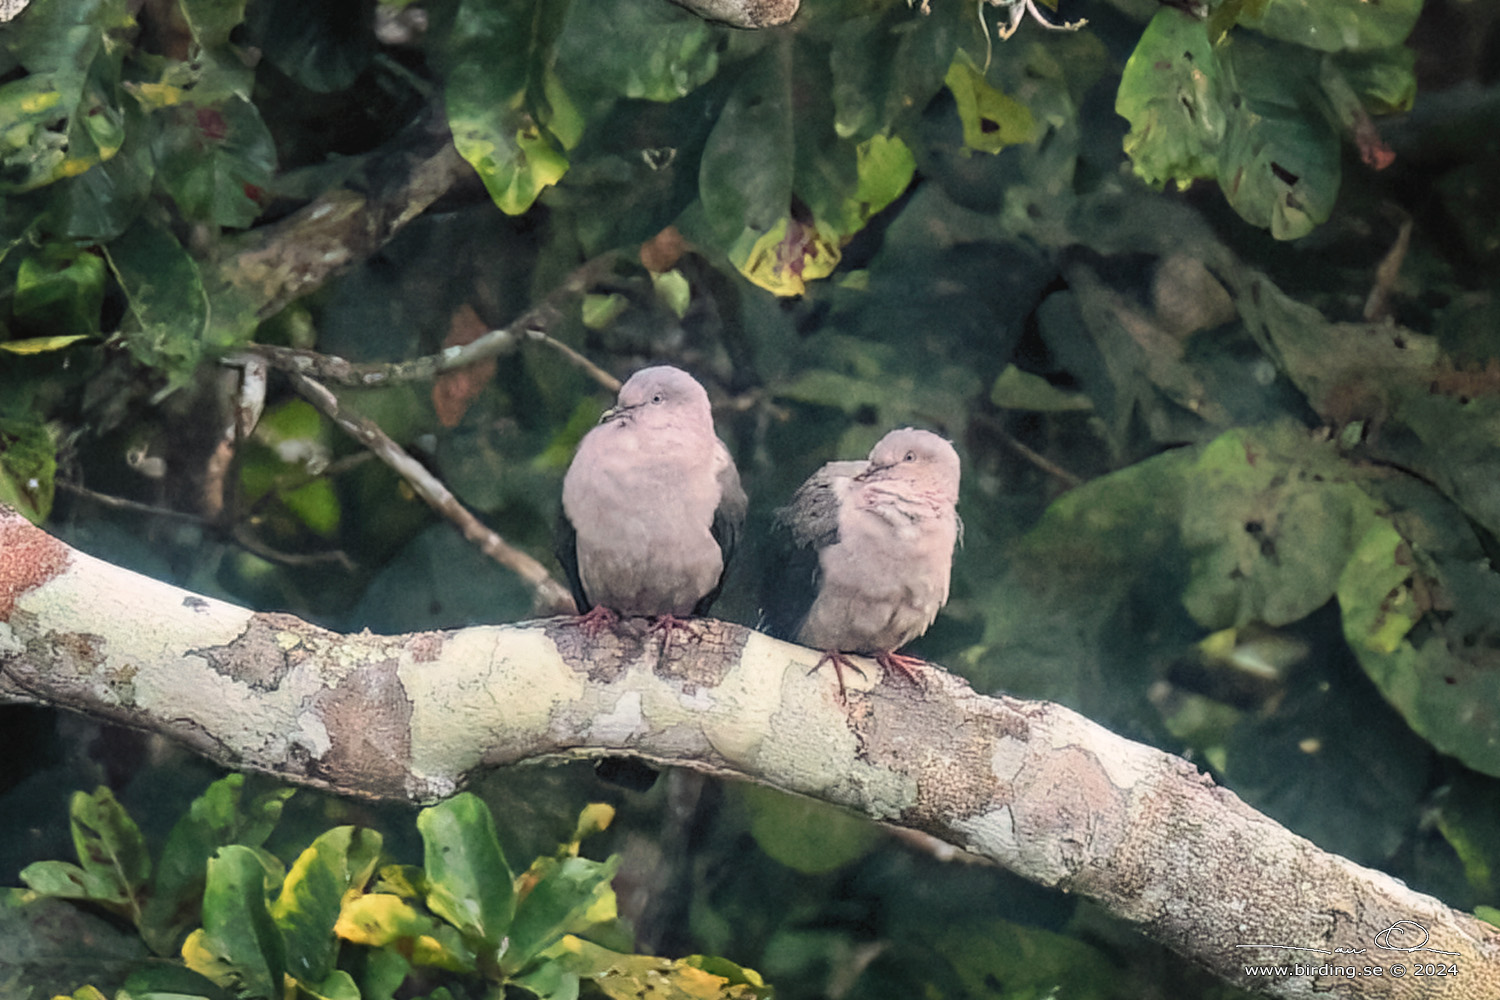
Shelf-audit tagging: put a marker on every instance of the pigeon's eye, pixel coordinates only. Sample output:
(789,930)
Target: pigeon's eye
(911,456)
(658,398)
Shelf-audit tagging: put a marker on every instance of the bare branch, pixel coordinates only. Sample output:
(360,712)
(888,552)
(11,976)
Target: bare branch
(1032,786)
(530,326)
(550,597)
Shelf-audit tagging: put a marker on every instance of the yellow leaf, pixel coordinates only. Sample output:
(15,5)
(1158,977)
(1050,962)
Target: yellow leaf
(40,345)
(376,919)
(156,95)
(783,260)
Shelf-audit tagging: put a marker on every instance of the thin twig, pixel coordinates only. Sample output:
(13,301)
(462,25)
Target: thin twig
(1036,458)
(121,503)
(549,596)
(242,537)
(1378,303)
(531,325)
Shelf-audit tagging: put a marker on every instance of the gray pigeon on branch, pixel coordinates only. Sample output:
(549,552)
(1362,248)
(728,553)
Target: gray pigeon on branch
(652,506)
(872,551)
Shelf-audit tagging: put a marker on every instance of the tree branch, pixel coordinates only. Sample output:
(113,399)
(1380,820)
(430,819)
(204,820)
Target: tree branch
(548,596)
(1033,786)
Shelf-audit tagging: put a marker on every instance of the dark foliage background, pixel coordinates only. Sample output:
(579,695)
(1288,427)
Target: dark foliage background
(1231,447)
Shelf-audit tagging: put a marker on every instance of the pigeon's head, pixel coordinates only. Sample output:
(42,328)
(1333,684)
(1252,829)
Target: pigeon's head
(662,396)
(919,457)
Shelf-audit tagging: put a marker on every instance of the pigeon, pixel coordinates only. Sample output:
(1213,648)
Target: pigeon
(651,506)
(872,549)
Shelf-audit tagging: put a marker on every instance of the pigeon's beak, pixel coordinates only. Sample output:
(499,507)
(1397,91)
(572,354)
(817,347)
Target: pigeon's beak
(873,472)
(616,412)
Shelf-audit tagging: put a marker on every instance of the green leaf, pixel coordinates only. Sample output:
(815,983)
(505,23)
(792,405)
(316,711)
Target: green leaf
(166,981)
(101,204)
(745,175)
(1030,961)
(167,308)
(884,168)
(617,975)
(211,21)
(809,836)
(496,94)
(239,945)
(60,289)
(1018,390)
(568,896)
(60,880)
(1427,665)
(216,161)
(323,46)
(861,62)
(992,120)
(111,850)
(1334,25)
(383,972)
(1468,817)
(656,52)
(1269,527)
(28,467)
(1385,79)
(291,443)
(61,118)
(1171,93)
(337,985)
(469,883)
(337,862)
(215,819)
(1279,165)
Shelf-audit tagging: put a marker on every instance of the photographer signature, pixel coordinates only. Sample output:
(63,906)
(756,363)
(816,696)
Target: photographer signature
(1404,935)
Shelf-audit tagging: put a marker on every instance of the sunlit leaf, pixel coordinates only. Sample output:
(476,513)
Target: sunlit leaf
(338,862)
(41,345)
(59,289)
(379,920)
(992,119)
(567,897)
(496,97)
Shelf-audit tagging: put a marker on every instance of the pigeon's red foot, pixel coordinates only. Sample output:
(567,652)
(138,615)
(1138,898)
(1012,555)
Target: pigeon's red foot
(839,661)
(598,621)
(909,667)
(666,625)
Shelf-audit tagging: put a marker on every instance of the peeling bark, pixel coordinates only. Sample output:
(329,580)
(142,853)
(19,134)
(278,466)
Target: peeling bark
(744,13)
(1032,786)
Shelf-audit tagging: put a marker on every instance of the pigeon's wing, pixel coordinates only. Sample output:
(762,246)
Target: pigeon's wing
(729,520)
(565,546)
(802,530)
